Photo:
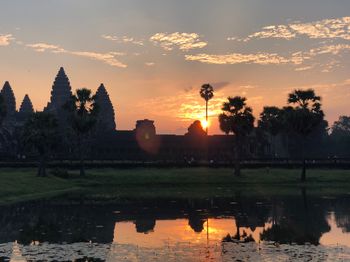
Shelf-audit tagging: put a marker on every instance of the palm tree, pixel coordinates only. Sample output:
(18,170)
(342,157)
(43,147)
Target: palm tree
(304,117)
(236,118)
(271,121)
(207,93)
(40,133)
(83,117)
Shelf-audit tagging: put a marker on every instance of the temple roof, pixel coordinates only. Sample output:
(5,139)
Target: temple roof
(61,91)
(61,85)
(106,111)
(9,99)
(26,106)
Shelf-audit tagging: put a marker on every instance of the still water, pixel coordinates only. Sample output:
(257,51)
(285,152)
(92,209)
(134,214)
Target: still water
(177,229)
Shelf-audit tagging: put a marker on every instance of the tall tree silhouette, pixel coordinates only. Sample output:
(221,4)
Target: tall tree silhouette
(303,117)
(207,93)
(340,137)
(271,121)
(40,133)
(83,115)
(236,118)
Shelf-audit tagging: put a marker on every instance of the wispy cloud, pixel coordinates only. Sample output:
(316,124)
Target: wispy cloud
(336,28)
(237,58)
(274,31)
(183,41)
(312,54)
(109,58)
(297,58)
(5,40)
(150,63)
(123,39)
(43,47)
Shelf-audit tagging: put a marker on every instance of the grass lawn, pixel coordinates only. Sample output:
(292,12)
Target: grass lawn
(22,184)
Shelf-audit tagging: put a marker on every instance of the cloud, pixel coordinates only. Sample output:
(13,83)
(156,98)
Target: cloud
(43,47)
(323,29)
(297,58)
(329,49)
(123,39)
(107,58)
(150,63)
(304,68)
(333,50)
(5,40)
(248,87)
(183,41)
(274,31)
(237,58)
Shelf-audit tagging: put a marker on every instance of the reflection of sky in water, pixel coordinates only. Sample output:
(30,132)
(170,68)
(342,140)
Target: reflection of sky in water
(178,231)
(337,235)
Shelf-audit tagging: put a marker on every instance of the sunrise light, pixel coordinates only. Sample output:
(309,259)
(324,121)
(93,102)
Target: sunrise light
(205,123)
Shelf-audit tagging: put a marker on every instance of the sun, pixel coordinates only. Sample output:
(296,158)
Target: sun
(204,123)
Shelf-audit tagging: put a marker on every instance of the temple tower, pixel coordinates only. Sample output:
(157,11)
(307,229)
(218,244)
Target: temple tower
(60,94)
(106,121)
(26,109)
(10,103)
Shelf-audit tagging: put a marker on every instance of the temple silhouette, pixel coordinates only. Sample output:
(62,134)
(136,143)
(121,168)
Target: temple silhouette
(107,142)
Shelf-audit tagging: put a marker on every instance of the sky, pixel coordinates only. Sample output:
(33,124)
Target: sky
(154,55)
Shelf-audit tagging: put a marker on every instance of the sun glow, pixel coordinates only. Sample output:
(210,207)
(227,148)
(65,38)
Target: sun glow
(205,123)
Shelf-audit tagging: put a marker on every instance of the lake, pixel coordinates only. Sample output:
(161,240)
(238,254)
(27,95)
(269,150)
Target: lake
(300,226)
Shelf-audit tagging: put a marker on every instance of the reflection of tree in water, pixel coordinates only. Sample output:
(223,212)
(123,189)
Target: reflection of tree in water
(40,221)
(196,222)
(44,229)
(249,213)
(342,213)
(302,221)
(145,225)
(41,231)
(198,213)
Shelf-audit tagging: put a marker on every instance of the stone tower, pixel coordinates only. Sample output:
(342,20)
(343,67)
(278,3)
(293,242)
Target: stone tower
(10,103)
(60,94)
(106,115)
(26,109)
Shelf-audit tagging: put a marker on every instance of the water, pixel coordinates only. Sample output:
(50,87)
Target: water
(178,229)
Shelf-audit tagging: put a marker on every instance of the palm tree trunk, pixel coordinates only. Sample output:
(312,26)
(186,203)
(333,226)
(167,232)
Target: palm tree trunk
(303,171)
(237,171)
(81,157)
(206,116)
(238,235)
(42,167)
(274,146)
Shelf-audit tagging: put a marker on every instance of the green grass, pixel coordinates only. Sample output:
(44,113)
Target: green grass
(107,184)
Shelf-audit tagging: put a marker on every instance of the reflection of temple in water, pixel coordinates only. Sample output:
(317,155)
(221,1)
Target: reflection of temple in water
(286,220)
